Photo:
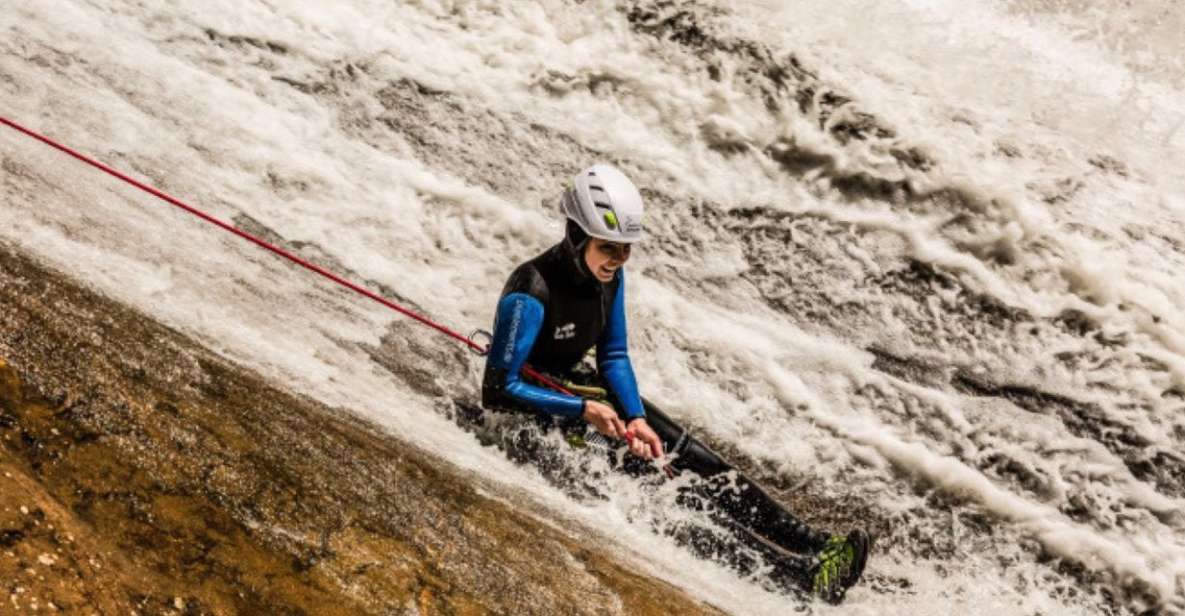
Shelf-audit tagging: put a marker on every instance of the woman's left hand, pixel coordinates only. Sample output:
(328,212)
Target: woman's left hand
(645,443)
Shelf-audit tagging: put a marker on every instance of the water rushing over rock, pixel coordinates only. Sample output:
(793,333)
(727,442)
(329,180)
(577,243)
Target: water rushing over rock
(919,265)
(139,472)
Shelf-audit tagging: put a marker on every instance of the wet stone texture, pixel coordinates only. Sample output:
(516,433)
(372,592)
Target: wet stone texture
(141,474)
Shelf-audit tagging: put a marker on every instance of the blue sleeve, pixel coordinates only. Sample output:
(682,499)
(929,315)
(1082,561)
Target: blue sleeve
(613,360)
(516,326)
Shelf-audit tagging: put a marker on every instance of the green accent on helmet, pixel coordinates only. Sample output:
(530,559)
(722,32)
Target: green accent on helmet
(611,220)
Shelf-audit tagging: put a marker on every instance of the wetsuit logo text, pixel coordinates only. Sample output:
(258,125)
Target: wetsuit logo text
(515,319)
(565,331)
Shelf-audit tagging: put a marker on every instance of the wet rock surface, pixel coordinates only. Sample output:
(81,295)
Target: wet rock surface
(139,473)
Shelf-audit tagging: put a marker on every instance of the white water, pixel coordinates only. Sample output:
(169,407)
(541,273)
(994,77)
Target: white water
(1011,100)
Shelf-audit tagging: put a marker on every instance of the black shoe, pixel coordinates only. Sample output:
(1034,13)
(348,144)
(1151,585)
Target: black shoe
(839,566)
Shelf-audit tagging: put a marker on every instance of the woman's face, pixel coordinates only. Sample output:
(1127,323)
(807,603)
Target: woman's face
(604,257)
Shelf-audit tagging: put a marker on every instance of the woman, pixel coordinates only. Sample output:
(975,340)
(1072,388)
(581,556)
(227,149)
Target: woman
(559,305)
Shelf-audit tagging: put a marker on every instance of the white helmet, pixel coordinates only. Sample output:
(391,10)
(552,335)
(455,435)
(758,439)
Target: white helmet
(605,204)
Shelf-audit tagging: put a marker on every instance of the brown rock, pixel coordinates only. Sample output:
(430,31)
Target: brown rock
(138,471)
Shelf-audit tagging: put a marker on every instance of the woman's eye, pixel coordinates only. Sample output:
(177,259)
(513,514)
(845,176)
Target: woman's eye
(616,252)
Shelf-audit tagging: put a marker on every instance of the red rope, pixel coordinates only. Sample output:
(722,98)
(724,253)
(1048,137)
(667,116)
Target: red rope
(271,247)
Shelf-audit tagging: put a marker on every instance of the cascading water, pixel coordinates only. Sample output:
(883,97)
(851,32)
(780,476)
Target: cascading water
(918,265)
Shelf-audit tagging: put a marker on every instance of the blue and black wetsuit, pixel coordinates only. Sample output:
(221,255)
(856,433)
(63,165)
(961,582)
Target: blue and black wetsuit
(551,313)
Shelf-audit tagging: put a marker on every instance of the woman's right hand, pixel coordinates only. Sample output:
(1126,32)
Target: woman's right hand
(604,419)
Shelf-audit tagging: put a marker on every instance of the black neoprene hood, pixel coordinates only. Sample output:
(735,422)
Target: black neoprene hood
(575,239)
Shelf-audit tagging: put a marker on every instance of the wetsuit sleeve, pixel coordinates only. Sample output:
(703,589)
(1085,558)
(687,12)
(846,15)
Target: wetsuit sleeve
(613,360)
(516,326)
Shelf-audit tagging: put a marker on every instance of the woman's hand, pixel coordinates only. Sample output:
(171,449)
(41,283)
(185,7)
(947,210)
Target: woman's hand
(603,418)
(644,442)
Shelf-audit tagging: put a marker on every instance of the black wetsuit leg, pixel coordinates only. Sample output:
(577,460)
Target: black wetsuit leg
(732,493)
(736,496)
(735,501)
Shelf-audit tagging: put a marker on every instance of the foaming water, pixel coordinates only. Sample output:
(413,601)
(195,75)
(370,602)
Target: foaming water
(1072,137)
(928,275)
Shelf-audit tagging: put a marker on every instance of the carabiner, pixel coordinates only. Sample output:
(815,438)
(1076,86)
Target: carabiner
(473,339)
